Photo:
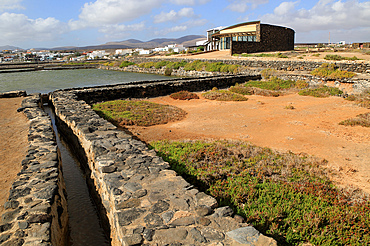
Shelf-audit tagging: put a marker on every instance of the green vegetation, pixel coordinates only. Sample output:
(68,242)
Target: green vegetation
(340,58)
(329,71)
(126,64)
(273,83)
(283,195)
(184,95)
(323,91)
(363,99)
(268,72)
(359,120)
(223,95)
(135,112)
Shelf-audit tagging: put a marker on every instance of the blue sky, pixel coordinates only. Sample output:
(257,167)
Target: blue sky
(53,23)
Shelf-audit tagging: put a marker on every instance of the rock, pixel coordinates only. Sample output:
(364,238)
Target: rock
(197,236)
(11,204)
(244,235)
(203,210)
(4,237)
(23,225)
(131,203)
(212,235)
(148,234)
(5,227)
(139,193)
(167,216)
(185,221)
(132,187)
(160,207)
(153,220)
(171,235)
(203,221)
(223,212)
(134,239)
(204,199)
(9,216)
(127,216)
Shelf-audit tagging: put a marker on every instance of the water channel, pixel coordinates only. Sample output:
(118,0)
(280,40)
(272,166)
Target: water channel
(85,227)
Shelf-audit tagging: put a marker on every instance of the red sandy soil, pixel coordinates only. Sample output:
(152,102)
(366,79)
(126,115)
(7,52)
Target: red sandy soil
(13,144)
(311,127)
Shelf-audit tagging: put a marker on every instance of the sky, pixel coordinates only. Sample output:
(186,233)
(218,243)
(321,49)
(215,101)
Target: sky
(54,23)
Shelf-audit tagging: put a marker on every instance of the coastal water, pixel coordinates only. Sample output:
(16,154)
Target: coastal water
(47,81)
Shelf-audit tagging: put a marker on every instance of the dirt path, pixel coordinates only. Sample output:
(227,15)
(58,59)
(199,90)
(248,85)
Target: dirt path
(13,144)
(312,127)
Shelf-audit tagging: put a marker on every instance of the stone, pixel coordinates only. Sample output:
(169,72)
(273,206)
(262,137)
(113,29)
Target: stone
(156,195)
(4,237)
(203,210)
(148,234)
(171,235)
(212,235)
(223,212)
(139,193)
(197,236)
(266,241)
(184,221)
(160,207)
(11,204)
(117,192)
(132,187)
(5,227)
(39,218)
(23,225)
(127,216)
(108,169)
(239,219)
(17,193)
(131,203)
(203,221)
(244,235)
(9,216)
(180,203)
(134,239)
(14,242)
(153,220)
(204,199)
(167,217)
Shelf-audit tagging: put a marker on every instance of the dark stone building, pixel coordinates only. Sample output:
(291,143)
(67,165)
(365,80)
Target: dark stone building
(252,37)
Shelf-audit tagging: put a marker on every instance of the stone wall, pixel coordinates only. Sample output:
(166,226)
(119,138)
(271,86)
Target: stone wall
(283,65)
(145,202)
(36,210)
(158,88)
(11,94)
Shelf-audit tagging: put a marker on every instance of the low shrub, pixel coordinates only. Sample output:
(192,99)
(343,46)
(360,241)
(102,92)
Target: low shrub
(268,72)
(168,71)
(284,195)
(241,89)
(301,84)
(135,112)
(359,120)
(329,71)
(323,91)
(223,95)
(340,58)
(126,64)
(273,83)
(184,95)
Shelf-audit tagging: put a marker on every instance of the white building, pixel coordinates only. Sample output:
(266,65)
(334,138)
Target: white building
(175,48)
(122,52)
(145,52)
(97,54)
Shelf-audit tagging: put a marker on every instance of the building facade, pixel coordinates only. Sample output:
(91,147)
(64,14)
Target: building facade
(252,37)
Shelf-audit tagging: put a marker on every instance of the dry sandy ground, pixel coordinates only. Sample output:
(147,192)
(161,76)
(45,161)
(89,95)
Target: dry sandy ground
(13,144)
(312,127)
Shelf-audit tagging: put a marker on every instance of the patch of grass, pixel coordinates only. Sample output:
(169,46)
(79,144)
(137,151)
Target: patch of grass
(317,55)
(273,83)
(359,120)
(126,64)
(135,112)
(283,195)
(363,99)
(184,95)
(241,89)
(268,73)
(301,84)
(289,107)
(223,95)
(323,91)
(340,58)
(329,71)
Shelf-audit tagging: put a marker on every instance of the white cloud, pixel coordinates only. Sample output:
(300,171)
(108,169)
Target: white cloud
(10,4)
(173,15)
(105,12)
(181,28)
(189,2)
(15,28)
(325,15)
(112,29)
(242,6)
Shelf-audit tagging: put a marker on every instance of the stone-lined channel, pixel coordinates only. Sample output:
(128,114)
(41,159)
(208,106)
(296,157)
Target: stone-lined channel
(84,224)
